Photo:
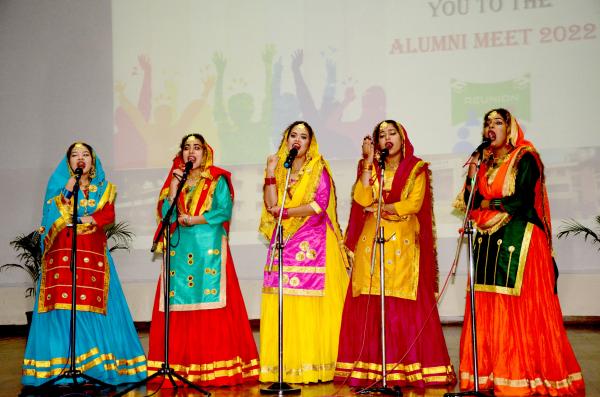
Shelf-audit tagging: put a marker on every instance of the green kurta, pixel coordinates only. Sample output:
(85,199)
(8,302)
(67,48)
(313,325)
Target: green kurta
(500,256)
(198,256)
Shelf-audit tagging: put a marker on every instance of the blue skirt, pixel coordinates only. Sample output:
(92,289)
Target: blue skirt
(107,347)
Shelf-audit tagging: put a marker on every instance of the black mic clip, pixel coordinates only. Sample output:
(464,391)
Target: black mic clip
(484,144)
(383,154)
(187,169)
(290,158)
(77,173)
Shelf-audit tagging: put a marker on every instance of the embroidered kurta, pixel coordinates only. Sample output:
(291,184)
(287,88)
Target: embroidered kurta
(210,340)
(106,345)
(416,352)
(522,344)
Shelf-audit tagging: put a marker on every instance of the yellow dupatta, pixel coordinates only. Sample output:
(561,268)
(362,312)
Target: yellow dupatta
(301,193)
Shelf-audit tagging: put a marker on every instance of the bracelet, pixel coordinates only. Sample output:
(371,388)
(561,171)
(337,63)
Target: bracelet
(189,220)
(496,204)
(285,214)
(368,167)
(270,181)
(67,194)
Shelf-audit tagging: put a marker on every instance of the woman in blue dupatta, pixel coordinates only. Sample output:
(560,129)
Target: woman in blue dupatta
(107,345)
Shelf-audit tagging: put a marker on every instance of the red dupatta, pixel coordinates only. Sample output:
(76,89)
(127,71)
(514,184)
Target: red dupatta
(209,177)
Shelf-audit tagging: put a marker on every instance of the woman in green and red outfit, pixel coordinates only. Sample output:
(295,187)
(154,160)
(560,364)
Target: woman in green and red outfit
(522,344)
(211,343)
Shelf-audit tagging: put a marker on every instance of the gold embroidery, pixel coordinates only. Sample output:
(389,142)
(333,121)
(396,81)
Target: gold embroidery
(487,251)
(499,243)
(511,249)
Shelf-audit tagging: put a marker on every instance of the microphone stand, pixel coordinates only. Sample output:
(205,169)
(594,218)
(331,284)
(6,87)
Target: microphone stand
(380,240)
(467,229)
(166,370)
(73,373)
(280,387)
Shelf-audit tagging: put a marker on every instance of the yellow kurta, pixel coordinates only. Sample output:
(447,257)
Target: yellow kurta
(401,255)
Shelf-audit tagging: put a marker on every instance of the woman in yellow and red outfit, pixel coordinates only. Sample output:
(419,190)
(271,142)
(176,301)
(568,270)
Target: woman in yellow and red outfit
(416,352)
(522,344)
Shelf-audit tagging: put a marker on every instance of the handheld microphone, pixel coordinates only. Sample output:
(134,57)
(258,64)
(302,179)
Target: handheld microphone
(484,144)
(290,158)
(188,167)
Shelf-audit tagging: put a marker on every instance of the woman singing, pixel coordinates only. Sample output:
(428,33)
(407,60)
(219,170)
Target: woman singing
(522,344)
(314,264)
(107,347)
(416,352)
(210,338)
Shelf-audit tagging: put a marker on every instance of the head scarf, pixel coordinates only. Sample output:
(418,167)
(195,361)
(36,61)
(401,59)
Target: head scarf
(56,214)
(502,184)
(303,191)
(202,197)
(409,167)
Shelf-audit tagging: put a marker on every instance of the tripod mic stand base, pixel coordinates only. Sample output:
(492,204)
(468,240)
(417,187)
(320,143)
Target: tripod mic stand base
(280,388)
(394,391)
(488,393)
(168,373)
(52,388)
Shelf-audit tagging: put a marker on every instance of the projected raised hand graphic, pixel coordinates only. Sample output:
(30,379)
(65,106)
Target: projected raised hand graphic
(243,141)
(331,143)
(126,134)
(164,124)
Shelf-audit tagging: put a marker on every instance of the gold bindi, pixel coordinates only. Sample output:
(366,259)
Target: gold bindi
(190,139)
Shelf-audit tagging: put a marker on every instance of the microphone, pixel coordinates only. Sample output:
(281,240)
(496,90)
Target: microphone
(188,167)
(290,158)
(78,172)
(484,144)
(383,155)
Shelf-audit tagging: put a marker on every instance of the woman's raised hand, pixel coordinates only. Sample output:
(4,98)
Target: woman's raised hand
(368,150)
(272,161)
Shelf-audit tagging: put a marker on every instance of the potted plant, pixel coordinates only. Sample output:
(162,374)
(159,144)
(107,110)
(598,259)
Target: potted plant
(29,253)
(572,227)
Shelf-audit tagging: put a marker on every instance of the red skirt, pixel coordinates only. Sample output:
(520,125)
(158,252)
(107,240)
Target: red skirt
(522,344)
(212,347)
(416,353)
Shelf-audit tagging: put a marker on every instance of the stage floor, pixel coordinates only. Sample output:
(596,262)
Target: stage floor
(585,341)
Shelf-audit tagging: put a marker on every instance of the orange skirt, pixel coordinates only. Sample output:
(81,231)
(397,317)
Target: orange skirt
(522,344)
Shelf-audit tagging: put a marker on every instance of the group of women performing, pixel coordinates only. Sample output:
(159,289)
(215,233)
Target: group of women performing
(331,295)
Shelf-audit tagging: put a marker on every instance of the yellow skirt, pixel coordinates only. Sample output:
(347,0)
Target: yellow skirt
(311,327)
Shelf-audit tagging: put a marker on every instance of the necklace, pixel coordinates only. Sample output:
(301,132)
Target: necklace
(494,163)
